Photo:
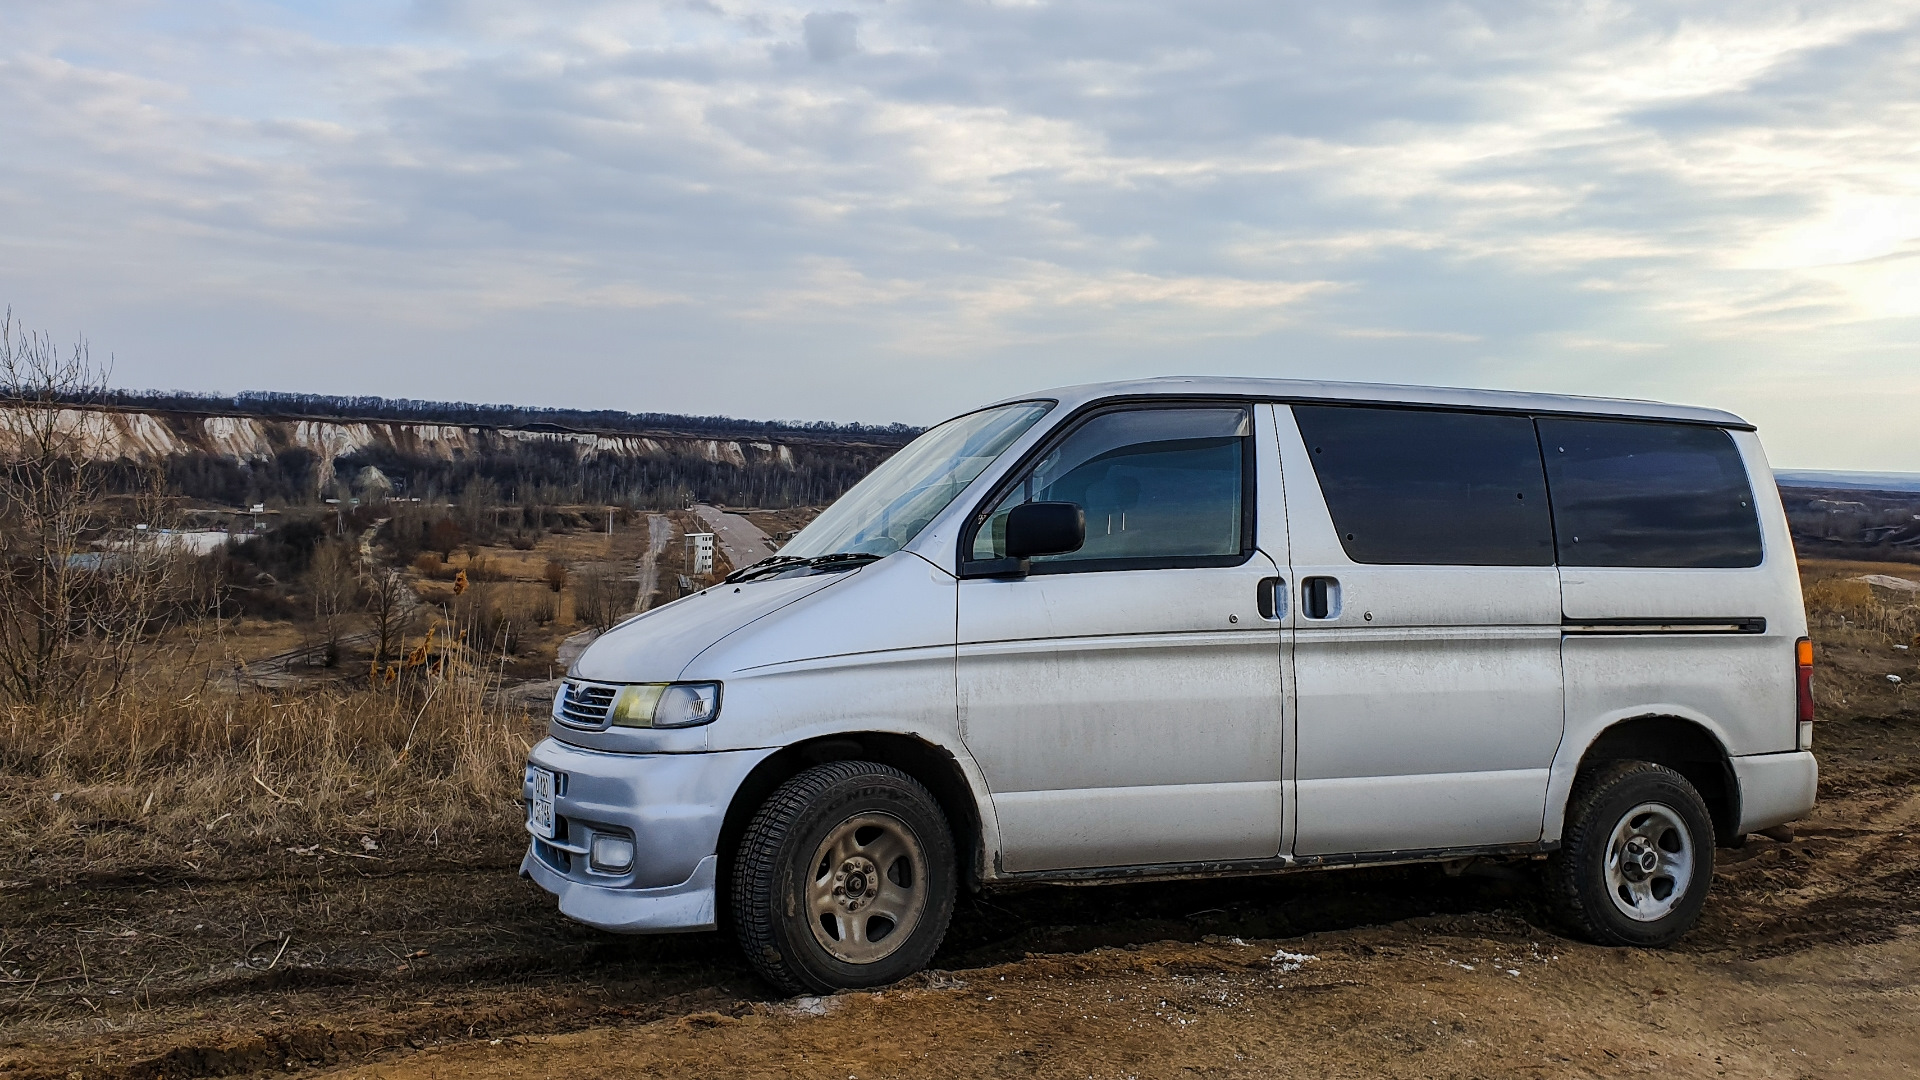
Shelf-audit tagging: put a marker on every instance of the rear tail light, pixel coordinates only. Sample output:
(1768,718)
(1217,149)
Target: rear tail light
(1803,690)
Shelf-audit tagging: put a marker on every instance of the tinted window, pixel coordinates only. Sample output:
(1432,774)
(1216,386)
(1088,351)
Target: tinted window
(1156,484)
(1639,494)
(1426,486)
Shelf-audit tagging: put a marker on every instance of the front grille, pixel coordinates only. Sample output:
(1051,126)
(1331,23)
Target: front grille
(586,704)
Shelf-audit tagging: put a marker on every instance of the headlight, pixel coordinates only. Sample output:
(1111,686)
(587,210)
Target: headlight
(666,705)
(634,705)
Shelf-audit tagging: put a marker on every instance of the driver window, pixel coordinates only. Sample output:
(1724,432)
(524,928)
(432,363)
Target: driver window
(1155,483)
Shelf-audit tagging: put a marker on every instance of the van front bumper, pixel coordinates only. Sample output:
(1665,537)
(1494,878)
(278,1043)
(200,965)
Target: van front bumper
(670,806)
(675,909)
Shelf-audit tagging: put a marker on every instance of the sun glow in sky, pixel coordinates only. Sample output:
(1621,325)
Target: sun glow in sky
(894,211)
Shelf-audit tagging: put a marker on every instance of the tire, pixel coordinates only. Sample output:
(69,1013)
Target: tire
(845,879)
(1636,859)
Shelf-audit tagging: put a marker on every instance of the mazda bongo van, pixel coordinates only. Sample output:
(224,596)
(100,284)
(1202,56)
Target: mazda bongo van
(1190,627)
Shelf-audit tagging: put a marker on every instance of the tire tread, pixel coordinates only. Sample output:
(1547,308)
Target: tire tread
(1566,889)
(756,866)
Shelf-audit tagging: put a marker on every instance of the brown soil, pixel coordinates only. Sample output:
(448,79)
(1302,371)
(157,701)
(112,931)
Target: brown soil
(1806,963)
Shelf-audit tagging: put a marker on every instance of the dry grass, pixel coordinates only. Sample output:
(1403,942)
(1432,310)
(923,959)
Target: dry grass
(1837,600)
(211,779)
(194,776)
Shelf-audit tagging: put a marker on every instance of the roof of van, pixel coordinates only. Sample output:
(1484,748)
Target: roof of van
(1292,390)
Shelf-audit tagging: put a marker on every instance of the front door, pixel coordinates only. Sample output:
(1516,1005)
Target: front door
(1124,701)
(1427,648)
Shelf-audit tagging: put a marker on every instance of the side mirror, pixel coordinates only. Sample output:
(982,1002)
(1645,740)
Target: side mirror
(1045,528)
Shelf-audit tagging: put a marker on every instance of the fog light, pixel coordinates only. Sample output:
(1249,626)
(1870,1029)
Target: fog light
(611,854)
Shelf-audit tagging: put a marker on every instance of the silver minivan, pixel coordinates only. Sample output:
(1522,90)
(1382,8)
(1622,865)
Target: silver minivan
(1190,627)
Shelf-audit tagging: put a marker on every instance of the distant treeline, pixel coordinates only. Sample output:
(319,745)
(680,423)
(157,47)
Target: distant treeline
(278,405)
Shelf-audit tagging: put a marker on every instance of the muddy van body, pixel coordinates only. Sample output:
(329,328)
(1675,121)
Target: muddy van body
(1188,627)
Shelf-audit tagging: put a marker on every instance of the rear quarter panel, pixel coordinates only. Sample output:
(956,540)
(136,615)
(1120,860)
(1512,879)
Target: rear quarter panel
(1739,687)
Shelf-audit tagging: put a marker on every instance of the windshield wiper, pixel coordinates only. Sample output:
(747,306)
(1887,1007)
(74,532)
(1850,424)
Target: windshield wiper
(778,564)
(843,560)
(772,564)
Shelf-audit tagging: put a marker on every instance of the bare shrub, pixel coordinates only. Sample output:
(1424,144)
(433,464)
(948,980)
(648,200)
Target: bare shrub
(491,618)
(81,602)
(602,596)
(482,568)
(556,575)
(444,536)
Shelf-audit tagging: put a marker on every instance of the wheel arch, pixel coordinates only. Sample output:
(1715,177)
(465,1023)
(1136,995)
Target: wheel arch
(933,765)
(1683,744)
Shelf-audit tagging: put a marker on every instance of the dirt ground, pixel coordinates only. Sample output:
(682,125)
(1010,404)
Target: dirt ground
(1806,963)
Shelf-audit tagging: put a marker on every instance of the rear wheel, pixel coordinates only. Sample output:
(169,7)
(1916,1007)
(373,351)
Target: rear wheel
(1636,858)
(844,879)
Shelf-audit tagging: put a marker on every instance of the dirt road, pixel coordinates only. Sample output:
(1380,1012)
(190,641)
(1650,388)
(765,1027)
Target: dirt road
(659,535)
(355,962)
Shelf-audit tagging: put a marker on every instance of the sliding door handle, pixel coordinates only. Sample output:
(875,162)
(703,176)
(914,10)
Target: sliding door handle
(1320,598)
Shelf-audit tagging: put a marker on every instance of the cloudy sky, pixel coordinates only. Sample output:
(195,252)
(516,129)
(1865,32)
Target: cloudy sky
(892,211)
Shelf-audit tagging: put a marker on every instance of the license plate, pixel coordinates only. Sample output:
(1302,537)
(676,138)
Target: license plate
(540,810)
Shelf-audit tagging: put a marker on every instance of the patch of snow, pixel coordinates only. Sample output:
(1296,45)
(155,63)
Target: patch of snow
(1290,961)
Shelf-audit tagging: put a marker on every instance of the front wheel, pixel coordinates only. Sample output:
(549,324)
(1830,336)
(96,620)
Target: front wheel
(1636,858)
(844,879)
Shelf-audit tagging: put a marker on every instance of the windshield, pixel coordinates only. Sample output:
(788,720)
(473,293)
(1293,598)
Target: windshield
(889,508)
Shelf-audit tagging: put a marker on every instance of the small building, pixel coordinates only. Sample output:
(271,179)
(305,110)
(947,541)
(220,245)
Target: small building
(700,553)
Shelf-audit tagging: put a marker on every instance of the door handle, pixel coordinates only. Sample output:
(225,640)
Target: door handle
(1320,598)
(1271,596)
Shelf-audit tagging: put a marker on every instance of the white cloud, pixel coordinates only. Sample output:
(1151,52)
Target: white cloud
(712,205)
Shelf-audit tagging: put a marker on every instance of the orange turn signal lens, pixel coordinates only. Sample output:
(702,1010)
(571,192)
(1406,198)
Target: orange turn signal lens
(1803,679)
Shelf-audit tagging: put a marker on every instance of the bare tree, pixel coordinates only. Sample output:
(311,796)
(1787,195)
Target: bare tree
(81,602)
(390,608)
(332,585)
(601,597)
(475,508)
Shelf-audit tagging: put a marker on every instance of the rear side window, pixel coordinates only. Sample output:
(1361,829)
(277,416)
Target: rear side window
(1160,487)
(1430,486)
(1627,493)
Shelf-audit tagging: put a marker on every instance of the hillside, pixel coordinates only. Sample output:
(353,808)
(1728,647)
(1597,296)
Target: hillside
(1853,522)
(277,449)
